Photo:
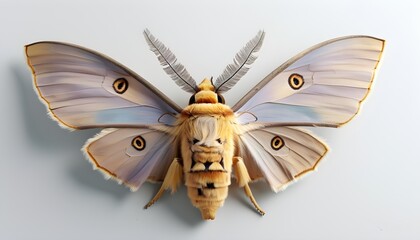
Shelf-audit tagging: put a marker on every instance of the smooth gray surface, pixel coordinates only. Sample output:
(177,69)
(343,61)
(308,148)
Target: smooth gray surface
(367,188)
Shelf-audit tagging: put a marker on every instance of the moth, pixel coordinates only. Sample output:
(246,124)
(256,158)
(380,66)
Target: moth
(147,137)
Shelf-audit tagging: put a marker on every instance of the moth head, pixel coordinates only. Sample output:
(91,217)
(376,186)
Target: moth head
(206,93)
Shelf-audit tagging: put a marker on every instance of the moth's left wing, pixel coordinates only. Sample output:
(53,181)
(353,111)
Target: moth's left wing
(322,86)
(85,89)
(132,155)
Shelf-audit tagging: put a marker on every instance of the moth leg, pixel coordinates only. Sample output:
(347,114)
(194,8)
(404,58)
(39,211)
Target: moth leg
(243,180)
(172,180)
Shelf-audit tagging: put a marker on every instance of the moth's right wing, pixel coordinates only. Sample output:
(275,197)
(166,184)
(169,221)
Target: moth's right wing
(85,89)
(322,86)
(279,155)
(132,155)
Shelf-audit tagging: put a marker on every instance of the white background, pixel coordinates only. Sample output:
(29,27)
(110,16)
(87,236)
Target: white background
(367,188)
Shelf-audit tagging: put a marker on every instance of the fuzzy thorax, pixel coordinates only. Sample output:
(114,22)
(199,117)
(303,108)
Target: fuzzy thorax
(208,109)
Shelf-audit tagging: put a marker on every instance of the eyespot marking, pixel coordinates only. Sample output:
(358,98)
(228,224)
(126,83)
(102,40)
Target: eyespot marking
(138,143)
(120,85)
(277,143)
(296,81)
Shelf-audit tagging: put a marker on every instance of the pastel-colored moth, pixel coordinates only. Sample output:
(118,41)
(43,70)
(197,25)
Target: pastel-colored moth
(147,137)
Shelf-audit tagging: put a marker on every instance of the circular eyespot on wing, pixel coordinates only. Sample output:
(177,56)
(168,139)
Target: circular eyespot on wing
(138,143)
(277,143)
(120,85)
(296,81)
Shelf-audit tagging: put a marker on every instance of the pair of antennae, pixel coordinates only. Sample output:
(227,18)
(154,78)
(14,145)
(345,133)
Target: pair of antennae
(230,76)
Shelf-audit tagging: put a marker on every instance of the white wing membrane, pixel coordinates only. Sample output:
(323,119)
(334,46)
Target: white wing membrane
(337,76)
(80,89)
(266,157)
(112,151)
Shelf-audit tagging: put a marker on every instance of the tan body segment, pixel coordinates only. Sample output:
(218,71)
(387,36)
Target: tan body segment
(205,133)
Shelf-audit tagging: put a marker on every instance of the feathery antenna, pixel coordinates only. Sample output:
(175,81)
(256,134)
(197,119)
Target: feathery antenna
(241,64)
(170,64)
